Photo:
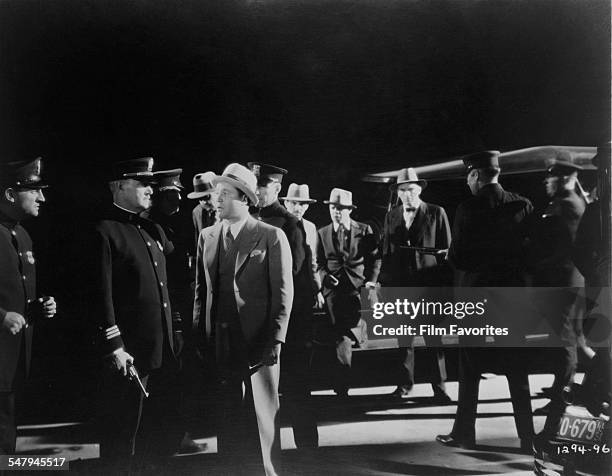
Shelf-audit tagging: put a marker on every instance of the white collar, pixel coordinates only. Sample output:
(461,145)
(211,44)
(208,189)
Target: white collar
(234,227)
(347,226)
(125,209)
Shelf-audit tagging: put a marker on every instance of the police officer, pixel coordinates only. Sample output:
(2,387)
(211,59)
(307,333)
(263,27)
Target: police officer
(486,247)
(295,372)
(130,305)
(21,185)
(552,247)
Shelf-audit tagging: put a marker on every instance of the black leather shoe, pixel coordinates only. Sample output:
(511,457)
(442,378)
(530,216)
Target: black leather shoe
(545,410)
(402,391)
(441,398)
(450,440)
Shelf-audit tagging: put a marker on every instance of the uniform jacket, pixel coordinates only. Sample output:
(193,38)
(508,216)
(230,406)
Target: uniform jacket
(303,280)
(487,239)
(361,263)
(17,290)
(263,284)
(592,248)
(553,240)
(129,295)
(430,229)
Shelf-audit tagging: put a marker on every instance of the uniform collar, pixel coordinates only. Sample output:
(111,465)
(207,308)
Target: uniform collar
(270,210)
(8,221)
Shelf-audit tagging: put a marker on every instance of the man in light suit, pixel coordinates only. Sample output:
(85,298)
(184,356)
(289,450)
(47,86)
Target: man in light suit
(416,238)
(347,259)
(244,292)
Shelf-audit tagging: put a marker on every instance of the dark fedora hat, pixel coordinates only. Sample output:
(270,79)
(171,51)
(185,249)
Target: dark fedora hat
(202,185)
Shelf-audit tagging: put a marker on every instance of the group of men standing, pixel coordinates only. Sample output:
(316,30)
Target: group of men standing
(260,270)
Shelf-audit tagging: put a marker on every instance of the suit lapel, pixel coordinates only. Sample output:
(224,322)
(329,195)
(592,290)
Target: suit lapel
(326,237)
(249,237)
(211,252)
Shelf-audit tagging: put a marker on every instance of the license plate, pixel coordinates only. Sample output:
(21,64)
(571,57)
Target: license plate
(574,428)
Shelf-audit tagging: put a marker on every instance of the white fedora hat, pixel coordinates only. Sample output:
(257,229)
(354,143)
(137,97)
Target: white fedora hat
(298,193)
(341,198)
(202,185)
(409,175)
(240,177)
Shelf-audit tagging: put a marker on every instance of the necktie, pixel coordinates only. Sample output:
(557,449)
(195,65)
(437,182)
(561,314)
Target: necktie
(341,237)
(228,241)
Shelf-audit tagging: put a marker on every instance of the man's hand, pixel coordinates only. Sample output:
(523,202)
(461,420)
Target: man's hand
(270,354)
(48,306)
(320,301)
(13,322)
(120,359)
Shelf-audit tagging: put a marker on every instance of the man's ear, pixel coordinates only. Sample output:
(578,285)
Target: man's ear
(9,195)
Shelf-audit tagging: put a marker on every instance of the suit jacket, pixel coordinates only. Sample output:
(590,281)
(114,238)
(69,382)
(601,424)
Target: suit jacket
(129,287)
(17,291)
(488,235)
(263,283)
(312,237)
(430,229)
(361,263)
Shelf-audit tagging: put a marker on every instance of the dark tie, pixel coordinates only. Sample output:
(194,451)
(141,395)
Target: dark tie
(228,241)
(410,209)
(341,237)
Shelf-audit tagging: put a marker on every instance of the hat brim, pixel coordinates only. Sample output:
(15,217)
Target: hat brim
(239,185)
(196,195)
(29,186)
(327,202)
(142,176)
(422,183)
(301,200)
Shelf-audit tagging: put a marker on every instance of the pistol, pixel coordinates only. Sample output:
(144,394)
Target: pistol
(133,375)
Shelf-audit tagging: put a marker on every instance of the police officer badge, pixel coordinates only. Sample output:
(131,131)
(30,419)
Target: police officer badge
(30,257)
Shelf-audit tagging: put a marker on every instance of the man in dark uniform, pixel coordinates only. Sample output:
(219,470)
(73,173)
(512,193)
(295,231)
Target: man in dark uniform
(487,248)
(415,223)
(131,307)
(165,212)
(295,371)
(552,247)
(204,213)
(21,185)
(347,260)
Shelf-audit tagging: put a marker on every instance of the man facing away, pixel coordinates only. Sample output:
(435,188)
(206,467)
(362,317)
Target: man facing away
(487,247)
(244,292)
(21,185)
(416,224)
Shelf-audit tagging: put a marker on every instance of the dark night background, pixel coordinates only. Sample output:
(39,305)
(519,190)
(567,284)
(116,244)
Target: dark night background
(327,89)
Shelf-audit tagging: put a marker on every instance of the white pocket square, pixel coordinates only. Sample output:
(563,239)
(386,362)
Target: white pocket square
(255,253)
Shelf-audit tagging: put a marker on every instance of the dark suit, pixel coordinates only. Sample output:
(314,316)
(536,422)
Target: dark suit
(295,371)
(352,264)
(403,267)
(487,247)
(129,303)
(553,240)
(202,219)
(240,322)
(17,291)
